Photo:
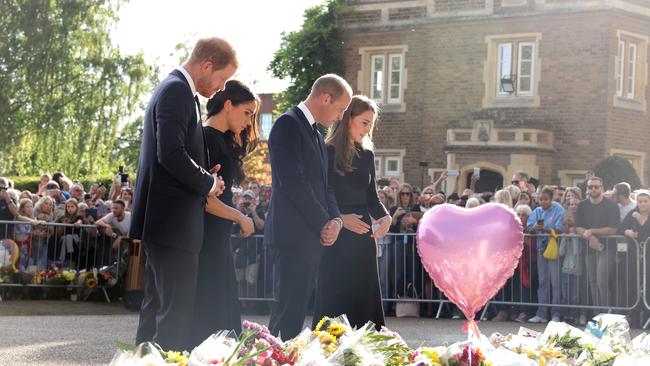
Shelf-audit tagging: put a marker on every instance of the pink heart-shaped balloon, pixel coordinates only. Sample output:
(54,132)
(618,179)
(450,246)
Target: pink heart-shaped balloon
(470,253)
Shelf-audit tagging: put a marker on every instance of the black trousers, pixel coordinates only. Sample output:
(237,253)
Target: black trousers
(294,278)
(170,279)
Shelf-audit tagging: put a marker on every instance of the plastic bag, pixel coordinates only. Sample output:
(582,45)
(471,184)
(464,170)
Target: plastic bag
(551,252)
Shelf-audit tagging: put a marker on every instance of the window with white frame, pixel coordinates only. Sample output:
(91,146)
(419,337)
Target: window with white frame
(386,78)
(385,68)
(620,66)
(378,172)
(512,70)
(392,167)
(266,122)
(631,70)
(515,68)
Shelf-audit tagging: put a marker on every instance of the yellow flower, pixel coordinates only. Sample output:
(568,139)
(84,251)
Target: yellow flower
(176,357)
(325,338)
(336,329)
(321,323)
(69,276)
(91,282)
(431,354)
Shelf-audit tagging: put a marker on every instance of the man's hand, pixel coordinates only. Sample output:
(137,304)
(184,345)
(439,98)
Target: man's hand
(595,244)
(384,226)
(117,242)
(108,231)
(354,223)
(246,227)
(330,233)
(587,234)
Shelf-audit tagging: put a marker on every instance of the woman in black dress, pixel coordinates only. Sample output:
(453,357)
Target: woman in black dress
(348,280)
(230,133)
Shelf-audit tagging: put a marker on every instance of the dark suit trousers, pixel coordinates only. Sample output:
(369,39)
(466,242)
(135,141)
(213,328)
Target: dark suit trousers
(170,279)
(294,275)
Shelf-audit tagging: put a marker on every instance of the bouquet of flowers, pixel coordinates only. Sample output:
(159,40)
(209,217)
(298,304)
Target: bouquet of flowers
(605,342)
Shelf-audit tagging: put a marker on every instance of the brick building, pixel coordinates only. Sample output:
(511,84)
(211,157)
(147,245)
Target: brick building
(550,87)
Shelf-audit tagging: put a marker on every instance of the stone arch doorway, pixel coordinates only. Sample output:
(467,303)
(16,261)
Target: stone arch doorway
(490,181)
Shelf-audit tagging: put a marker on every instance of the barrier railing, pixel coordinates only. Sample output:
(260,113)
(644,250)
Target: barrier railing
(646,278)
(612,279)
(581,279)
(56,255)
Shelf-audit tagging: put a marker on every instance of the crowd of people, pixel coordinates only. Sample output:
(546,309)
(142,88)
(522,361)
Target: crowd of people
(97,222)
(585,270)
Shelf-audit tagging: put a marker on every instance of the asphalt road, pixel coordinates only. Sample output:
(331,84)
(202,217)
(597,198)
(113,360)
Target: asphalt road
(57,333)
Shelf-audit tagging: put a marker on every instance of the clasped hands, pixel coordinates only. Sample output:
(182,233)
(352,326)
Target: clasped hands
(330,232)
(220,185)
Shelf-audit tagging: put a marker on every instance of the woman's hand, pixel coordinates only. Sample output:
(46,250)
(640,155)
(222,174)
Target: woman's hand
(631,234)
(354,223)
(246,226)
(384,226)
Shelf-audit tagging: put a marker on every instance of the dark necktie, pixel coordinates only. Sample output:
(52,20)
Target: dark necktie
(317,137)
(198,108)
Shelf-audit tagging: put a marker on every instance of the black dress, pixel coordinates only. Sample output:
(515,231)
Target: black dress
(348,279)
(217,299)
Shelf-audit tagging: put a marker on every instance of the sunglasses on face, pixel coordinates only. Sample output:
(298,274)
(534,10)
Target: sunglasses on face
(405,193)
(515,182)
(593,187)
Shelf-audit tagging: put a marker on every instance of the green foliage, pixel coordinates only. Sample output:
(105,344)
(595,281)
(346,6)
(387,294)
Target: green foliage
(65,90)
(30,183)
(615,169)
(308,53)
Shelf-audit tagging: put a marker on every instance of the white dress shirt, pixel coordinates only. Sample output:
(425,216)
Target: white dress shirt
(198,111)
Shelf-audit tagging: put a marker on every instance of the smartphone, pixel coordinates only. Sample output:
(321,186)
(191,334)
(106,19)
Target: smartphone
(477,172)
(540,222)
(125,178)
(452,173)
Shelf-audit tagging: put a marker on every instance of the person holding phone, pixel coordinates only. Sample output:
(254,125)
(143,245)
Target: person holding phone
(548,216)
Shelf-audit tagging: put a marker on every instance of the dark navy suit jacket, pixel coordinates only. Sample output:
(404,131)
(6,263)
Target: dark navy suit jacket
(302,202)
(172,181)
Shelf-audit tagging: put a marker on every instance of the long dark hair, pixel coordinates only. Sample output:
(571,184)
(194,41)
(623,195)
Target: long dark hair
(243,144)
(339,134)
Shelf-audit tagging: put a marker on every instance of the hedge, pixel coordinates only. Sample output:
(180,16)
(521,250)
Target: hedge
(31,183)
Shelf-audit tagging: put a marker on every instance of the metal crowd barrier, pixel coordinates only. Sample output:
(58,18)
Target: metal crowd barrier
(646,278)
(50,252)
(607,280)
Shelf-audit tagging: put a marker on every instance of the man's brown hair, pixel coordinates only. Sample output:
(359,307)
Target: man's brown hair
(216,50)
(331,84)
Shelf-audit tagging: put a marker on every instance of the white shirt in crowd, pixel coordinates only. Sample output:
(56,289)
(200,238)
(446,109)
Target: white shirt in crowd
(122,227)
(626,209)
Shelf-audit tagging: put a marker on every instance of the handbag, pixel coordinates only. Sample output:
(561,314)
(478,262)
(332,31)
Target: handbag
(408,308)
(551,252)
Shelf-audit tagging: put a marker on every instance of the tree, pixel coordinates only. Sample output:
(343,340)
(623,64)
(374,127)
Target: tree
(256,164)
(65,90)
(615,169)
(308,53)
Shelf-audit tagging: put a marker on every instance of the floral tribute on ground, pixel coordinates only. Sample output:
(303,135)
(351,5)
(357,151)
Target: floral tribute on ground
(604,342)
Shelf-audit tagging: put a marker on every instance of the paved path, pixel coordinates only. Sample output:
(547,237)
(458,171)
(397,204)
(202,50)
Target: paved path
(57,333)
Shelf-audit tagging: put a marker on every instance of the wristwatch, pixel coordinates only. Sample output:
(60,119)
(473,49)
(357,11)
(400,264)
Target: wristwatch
(338,221)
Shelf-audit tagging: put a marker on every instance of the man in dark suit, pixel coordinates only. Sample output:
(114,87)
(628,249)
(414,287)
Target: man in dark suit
(303,214)
(173,184)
